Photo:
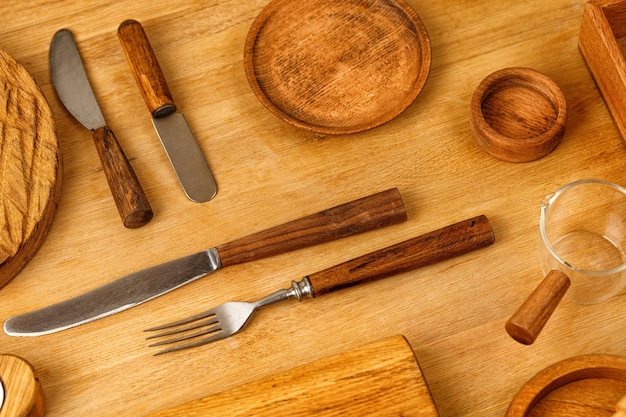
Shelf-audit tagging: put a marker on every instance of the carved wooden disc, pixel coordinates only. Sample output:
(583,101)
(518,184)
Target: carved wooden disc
(30,167)
(337,67)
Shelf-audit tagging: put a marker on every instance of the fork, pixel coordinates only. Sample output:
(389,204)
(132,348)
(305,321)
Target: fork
(229,318)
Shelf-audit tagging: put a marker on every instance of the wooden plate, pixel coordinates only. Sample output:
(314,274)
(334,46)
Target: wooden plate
(30,168)
(337,67)
(588,385)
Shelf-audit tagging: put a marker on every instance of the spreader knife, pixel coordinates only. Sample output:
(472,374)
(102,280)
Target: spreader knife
(368,213)
(172,129)
(73,88)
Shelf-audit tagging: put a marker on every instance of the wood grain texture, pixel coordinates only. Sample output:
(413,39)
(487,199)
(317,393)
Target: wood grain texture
(452,312)
(445,243)
(337,67)
(529,319)
(23,395)
(30,167)
(130,199)
(601,28)
(380,378)
(518,114)
(367,213)
(146,69)
(620,408)
(579,386)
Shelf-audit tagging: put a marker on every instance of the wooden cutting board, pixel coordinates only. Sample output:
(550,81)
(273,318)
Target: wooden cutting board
(380,378)
(30,167)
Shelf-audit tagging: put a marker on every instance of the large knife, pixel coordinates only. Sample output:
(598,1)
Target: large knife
(368,213)
(172,129)
(73,88)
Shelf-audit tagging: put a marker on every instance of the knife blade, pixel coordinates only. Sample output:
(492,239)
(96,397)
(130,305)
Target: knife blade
(74,90)
(171,127)
(367,213)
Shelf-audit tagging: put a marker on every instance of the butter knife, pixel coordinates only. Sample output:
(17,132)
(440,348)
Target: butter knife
(171,127)
(368,213)
(73,89)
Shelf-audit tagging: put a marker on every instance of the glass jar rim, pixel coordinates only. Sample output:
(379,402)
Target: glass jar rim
(550,199)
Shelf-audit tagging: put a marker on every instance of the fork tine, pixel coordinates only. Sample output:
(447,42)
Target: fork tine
(214,328)
(213,338)
(212,320)
(186,320)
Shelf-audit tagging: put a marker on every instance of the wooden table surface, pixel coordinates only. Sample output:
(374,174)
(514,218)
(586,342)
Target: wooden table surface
(269,172)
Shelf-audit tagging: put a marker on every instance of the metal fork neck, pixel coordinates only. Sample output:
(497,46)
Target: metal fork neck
(298,290)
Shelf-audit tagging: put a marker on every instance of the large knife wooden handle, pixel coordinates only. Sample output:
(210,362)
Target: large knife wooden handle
(368,213)
(528,321)
(146,69)
(130,199)
(429,248)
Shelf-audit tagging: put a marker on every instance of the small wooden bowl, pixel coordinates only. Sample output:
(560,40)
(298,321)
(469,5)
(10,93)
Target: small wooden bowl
(337,67)
(580,386)
(518,114)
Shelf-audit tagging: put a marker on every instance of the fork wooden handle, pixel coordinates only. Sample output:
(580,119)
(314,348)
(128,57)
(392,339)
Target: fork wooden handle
(368,213)
(445,243)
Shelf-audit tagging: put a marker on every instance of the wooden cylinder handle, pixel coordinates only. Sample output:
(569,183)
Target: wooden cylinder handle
(439,245)
(130,199)
(146,69)
(367,213)
(528,321)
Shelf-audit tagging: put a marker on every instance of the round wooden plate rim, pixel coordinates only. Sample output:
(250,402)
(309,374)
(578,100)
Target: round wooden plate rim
(562,373)
(420,77)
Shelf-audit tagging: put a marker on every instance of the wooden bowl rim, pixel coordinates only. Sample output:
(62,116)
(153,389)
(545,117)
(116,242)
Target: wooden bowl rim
(520,149)
(562,373)
(423,72)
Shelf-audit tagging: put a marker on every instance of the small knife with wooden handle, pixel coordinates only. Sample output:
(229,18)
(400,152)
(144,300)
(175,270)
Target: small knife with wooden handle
(72,86)
(176,137)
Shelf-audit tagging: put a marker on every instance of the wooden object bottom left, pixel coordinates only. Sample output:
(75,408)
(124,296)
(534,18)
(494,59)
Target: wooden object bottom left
(380,378)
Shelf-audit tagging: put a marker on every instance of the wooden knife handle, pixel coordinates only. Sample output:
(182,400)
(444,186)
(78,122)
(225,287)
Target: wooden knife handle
(439,245)
(146,68)
(130,199)
(368,213)
(528,321)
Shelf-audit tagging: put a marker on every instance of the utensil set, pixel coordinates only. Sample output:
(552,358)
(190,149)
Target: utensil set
(368,213)
(229,318)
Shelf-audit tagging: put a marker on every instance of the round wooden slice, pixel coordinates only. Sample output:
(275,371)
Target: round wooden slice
(337,67)
(30,167)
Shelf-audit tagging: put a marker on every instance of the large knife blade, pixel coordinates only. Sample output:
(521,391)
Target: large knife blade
(368,213)
(172,129)
(73,89)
